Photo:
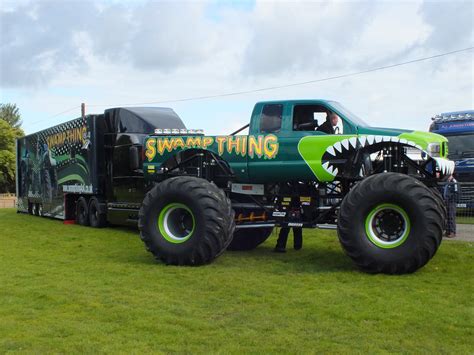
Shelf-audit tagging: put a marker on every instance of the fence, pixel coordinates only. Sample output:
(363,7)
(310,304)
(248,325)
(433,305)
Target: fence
(464,216)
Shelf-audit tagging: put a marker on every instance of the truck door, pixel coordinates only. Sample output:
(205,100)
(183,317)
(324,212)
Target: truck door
(127,180)
(276,119)
(289,123)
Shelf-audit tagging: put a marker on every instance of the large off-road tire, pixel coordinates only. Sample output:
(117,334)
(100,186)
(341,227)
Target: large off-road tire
(97,218)
(249,238)
(186,221)
(82,212)
(390,223)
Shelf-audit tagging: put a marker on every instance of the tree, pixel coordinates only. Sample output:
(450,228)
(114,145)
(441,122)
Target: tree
(9,131)
(11,114)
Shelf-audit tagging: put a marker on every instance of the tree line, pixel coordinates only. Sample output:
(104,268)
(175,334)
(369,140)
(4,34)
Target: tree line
(10,129)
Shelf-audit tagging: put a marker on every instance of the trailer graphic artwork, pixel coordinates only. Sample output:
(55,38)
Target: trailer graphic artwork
(54,161)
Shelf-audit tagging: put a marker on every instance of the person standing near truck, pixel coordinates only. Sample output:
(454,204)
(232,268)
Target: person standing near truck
(450,194)
(283,238)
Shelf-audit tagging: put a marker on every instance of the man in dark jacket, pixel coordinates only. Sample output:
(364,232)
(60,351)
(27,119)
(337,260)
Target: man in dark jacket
(450,195)
(330,125)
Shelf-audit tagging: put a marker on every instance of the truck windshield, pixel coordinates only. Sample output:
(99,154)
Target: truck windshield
(461,146)
(348,114)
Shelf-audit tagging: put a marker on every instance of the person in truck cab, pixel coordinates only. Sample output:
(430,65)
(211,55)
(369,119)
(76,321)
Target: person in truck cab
(330,126)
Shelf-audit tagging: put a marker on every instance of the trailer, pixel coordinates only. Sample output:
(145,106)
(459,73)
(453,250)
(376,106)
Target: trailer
(84,166)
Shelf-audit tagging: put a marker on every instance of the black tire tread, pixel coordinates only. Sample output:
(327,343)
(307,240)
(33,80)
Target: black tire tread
(249,238)
(218,219)
(430,240)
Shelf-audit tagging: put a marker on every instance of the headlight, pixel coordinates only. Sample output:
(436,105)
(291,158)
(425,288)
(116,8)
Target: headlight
(434,149)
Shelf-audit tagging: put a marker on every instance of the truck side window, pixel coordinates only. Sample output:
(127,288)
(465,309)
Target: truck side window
(270,120)
(308,117)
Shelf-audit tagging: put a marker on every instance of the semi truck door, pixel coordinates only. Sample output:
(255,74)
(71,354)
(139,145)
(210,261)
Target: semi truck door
(127,180)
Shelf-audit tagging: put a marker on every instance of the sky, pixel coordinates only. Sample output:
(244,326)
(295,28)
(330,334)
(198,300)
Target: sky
(54,55)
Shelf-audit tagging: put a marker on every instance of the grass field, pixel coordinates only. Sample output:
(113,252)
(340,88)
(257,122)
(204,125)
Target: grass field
(66,288)
(465,219)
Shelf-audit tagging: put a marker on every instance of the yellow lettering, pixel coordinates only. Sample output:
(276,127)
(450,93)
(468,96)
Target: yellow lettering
(193,142)
(220,144)
(207,141)
(164,143)
(255,146)
(243,147)
(233,143)
(178,142)
(150,149)
(270,146)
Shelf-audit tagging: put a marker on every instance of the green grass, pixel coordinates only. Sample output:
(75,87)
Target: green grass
(66,288)
(464,220)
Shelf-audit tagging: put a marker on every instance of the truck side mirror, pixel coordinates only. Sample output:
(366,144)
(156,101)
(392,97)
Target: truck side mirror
(134,158)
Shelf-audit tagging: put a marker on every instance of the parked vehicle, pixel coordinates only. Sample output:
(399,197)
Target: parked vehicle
(458,128)
(195,196)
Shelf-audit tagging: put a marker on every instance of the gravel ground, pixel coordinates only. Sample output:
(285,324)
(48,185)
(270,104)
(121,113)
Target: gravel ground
(465,232)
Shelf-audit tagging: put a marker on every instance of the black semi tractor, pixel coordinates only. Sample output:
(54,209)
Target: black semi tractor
(86,168)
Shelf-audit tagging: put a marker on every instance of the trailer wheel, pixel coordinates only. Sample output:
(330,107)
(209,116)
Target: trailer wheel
(97,219)
(82,212)
(249,238)
(390,223)
(186,221)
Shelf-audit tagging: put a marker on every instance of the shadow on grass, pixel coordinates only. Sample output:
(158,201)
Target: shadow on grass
(320,258)
(313,259)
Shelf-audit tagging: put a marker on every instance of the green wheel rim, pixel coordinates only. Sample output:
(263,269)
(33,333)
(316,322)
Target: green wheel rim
(176,223)
(395,233)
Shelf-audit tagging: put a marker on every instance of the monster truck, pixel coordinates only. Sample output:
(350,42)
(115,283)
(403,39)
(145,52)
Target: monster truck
(375,186)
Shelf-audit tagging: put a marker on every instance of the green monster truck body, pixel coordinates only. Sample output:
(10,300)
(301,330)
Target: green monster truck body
(376,186)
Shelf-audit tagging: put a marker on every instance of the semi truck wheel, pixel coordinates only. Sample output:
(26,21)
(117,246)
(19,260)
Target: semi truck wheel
(390,223)
(97,219)
(82,212)
(249,238)
(186,221)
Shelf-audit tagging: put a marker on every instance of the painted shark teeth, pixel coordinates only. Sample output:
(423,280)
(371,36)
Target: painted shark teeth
(445,166)
(353,141)
(330,169)
(331,151)
(345,144)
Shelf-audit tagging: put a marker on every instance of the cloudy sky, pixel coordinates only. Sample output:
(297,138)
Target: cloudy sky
(56,54)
